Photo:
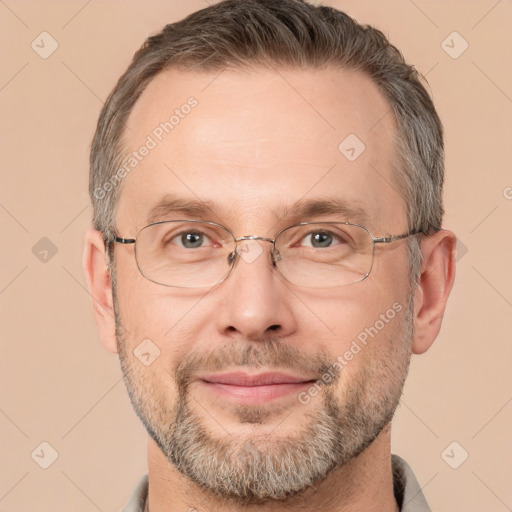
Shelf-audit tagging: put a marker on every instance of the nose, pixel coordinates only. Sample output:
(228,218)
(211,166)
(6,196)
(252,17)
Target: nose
(256,302)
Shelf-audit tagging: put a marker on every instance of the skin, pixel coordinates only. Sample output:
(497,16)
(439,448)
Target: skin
(257,139)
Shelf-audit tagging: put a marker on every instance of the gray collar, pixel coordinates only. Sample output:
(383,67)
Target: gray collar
(408,493)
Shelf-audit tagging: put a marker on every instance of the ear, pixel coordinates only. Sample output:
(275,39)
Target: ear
(100,288)
(433,289)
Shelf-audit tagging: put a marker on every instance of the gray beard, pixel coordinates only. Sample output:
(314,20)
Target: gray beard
(259,468)
(265,467)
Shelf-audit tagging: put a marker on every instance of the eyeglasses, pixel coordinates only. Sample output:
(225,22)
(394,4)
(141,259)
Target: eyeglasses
(195,254)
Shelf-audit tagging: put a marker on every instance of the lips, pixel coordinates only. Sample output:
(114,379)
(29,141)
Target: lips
(262,379)
(263,387)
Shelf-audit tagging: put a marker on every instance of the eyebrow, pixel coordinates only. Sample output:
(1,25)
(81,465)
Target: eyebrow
(171,204)
(350,210)
(301,211)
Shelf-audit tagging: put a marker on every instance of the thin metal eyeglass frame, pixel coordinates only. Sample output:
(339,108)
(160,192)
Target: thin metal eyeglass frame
(275,253)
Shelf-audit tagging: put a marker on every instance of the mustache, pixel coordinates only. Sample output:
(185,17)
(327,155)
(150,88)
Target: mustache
(268,354)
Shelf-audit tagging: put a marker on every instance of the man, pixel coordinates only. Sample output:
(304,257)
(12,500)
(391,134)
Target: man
(267,254)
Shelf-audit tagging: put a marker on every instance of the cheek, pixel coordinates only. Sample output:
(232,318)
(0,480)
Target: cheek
(345,312)
(390,272)
(363,321)
(169,318)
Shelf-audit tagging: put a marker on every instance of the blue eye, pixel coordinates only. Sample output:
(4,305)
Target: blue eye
(181,236)
(320,239)
(191,240)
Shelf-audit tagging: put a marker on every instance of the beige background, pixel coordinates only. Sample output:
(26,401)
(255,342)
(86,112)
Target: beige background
(57,383)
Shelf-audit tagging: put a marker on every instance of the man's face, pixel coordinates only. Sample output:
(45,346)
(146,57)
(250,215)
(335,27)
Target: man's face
(257,143)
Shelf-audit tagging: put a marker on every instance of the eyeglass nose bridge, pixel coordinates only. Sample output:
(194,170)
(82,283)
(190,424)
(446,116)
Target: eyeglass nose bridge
(254,237)
(276,256)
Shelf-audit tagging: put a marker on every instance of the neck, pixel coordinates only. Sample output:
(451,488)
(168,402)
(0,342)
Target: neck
(365,483)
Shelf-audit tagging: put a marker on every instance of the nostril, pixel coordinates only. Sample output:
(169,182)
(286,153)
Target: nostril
(274,327)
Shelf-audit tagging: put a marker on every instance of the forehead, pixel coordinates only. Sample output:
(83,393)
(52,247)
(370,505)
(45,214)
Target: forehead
(253,143)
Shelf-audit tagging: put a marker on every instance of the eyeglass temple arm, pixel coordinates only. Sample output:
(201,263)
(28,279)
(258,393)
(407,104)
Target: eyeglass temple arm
(393,238)
(119,240)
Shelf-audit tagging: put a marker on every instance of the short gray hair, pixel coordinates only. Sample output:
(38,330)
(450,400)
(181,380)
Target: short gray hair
(288,33)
